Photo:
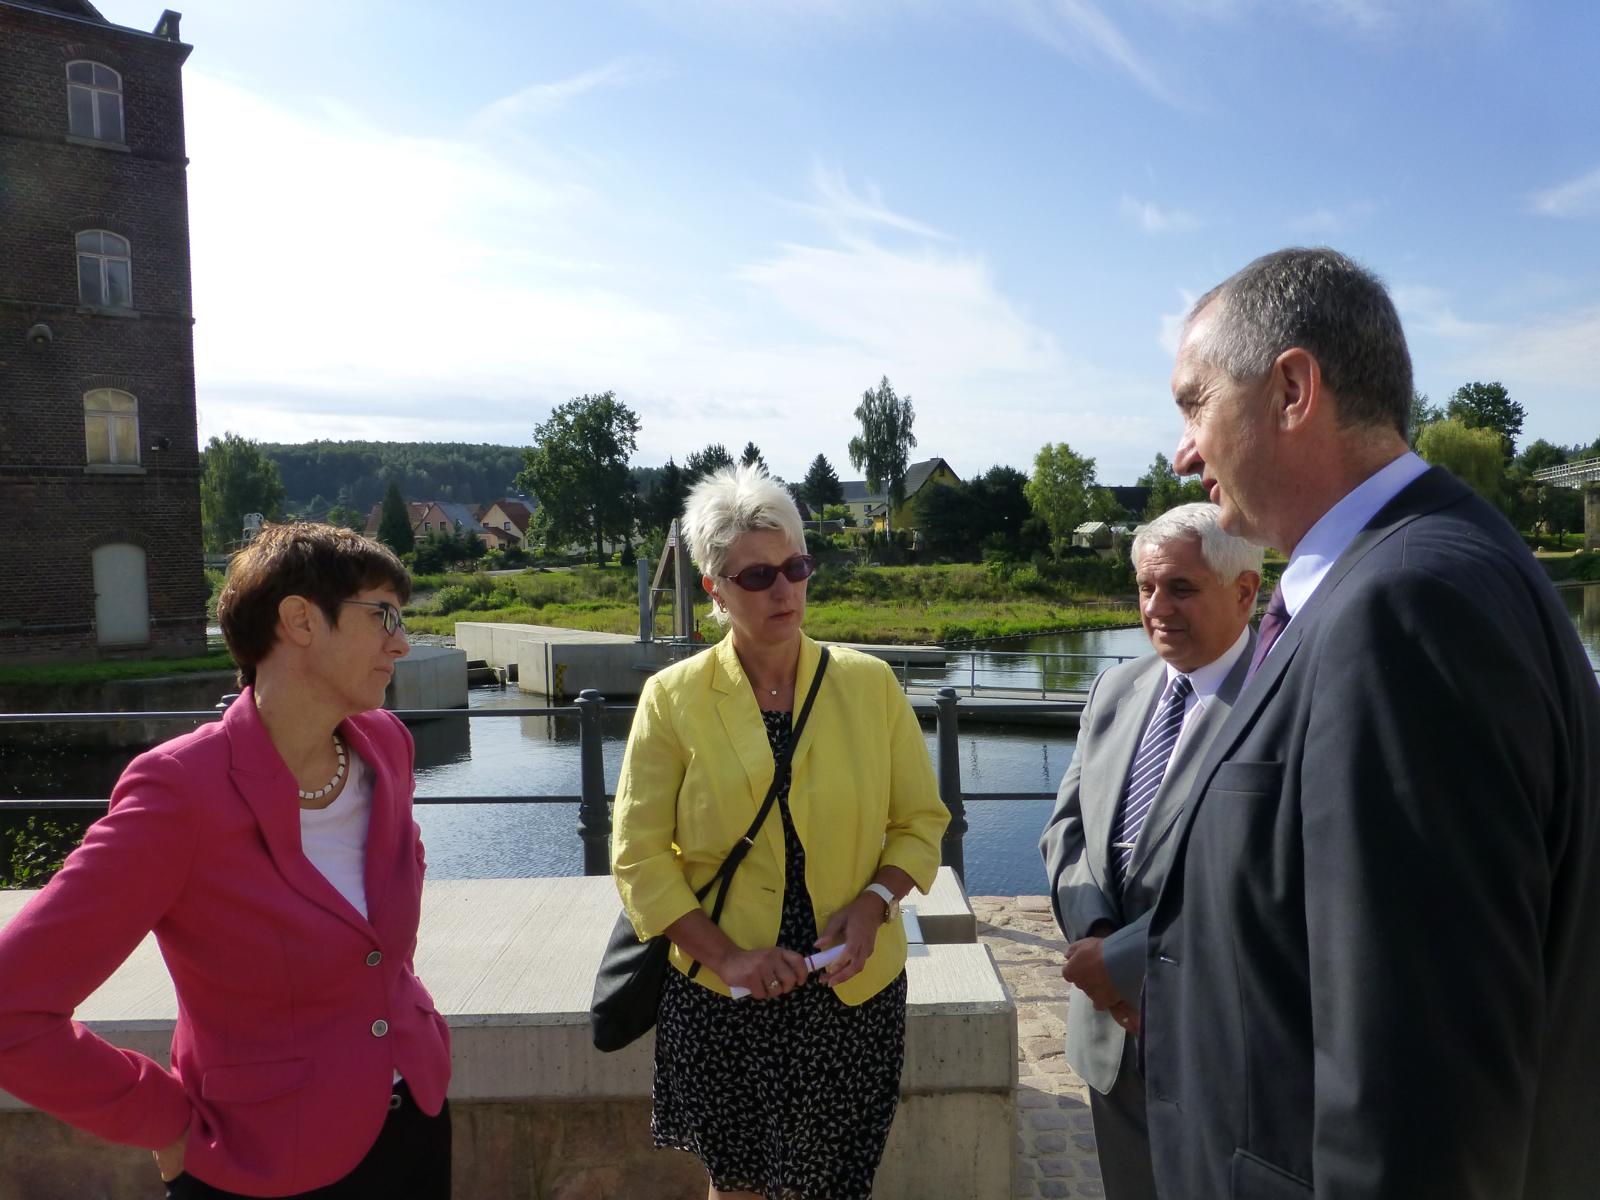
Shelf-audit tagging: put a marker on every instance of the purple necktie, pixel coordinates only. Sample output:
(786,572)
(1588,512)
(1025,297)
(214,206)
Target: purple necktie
(1272,623)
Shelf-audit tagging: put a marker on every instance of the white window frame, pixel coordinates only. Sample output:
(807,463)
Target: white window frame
(102,258)
(95,90)
(112,417)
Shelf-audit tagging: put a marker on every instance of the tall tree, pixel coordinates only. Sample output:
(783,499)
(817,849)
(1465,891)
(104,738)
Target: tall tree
(394,522)
(1167,489)
(751,457)
(821,486)
(235,479)
(1540,455)
(705,462)
(883,448)
(1473,455)
(1488,406)
(578,470)
(1059,490)
(666,498)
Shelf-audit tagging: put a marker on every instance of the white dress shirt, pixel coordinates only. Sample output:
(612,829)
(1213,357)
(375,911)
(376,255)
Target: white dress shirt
(1206,680)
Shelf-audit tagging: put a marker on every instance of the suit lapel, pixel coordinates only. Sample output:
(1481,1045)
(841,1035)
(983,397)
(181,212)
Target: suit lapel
(1179,779)
(262,779)
(1107,777)
(747,733)
(382,828)
(1425,494)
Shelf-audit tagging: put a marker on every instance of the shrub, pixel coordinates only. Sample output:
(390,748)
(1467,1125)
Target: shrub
(454,598)
(1586,566)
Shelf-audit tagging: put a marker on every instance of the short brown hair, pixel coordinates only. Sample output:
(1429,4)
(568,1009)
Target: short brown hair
(324,563)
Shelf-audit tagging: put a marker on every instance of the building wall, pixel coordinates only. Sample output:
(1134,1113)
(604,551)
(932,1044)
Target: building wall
(61,507)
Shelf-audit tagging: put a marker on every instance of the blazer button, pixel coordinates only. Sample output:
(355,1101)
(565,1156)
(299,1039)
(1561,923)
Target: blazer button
(379,1028)
(374,958)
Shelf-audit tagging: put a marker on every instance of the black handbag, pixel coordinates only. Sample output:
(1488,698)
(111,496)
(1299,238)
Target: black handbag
(627,987)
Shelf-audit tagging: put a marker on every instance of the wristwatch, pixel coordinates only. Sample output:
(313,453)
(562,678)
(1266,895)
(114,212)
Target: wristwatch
(891,906)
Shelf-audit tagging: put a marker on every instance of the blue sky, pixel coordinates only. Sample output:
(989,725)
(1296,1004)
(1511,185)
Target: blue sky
(431,221)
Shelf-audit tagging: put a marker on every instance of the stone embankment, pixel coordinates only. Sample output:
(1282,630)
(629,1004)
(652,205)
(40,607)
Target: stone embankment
(1055,1137)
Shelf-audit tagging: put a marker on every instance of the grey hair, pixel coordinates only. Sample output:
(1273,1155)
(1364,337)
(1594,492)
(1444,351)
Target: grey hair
(1228,556)
(1323,302)
(731,502)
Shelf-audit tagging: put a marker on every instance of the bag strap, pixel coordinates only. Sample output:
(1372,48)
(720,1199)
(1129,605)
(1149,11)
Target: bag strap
(780,774)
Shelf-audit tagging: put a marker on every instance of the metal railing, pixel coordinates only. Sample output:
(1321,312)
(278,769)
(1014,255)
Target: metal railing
(593,801)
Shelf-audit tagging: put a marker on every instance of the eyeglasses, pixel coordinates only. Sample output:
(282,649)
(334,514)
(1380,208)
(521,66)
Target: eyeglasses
(758,577)
(391,614)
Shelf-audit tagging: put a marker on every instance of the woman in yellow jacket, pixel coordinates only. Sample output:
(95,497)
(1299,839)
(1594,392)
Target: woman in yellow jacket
(788,1094)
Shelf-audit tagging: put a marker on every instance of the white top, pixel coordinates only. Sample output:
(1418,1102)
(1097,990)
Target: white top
(1206,681)
(1325,541)
(335,838)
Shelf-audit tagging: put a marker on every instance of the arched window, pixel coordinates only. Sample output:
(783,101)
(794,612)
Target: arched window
(111,427)
(94,101)
(105,272)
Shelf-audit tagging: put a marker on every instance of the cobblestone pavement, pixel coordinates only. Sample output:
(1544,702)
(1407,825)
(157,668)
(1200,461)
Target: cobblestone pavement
(1055,1138)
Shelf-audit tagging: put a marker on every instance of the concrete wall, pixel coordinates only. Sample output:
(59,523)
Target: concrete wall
(429,677)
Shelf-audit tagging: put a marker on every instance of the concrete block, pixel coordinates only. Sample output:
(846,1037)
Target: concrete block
(429,677)
(944,914)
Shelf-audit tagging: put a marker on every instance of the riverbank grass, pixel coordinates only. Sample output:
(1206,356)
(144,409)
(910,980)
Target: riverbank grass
(56,674)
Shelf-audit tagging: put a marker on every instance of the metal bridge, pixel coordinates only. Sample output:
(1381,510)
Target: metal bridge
(1572,474)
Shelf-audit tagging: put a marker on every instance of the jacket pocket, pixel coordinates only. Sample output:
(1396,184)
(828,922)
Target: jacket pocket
(252,1083)
(1248,778)
(1256,1179)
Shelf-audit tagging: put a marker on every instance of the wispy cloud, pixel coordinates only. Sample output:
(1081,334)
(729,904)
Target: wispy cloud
(1080,30)
(1172,323)
(840,207)
(539,99)
(1578,198)
(1429,310)
(1153,219)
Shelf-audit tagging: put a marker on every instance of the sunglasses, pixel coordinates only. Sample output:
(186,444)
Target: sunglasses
(758,577)
(391,614)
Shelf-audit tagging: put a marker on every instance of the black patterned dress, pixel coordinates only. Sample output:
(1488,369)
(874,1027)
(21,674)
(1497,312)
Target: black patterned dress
(790,1098)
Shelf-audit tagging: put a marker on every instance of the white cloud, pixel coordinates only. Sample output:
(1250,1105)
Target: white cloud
(1428,310)
(1577,198)
(1172,323)
(1153,219)
(841,209)
(1326,222)
(1080,30)
(1558,351)
(539,99)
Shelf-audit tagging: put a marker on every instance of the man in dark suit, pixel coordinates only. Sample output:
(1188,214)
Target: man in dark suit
(1107,846)
(1373,967)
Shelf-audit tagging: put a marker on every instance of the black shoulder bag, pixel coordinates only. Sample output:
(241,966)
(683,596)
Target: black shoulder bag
(627,988)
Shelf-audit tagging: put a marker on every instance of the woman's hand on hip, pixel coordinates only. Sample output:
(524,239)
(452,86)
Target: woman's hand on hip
(767,972)
(169,1159)
(856,925)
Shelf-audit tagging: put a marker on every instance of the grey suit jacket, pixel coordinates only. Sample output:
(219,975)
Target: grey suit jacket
(1077,840)
(1373,968)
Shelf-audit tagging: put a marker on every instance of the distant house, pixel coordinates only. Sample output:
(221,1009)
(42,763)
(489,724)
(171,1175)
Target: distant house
(506,522)
(375,517)
(870,509)
(446,516)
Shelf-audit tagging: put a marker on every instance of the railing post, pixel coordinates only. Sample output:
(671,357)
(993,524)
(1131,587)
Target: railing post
(950,784)
(594,818)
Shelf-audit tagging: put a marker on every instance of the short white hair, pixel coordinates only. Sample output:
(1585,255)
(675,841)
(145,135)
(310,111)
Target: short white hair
(729,503)
(1228,557)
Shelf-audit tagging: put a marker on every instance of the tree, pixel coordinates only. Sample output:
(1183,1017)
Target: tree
(705,462)
(1167,489)
(1488,406)
(883,448)
(1001,509)
(1059,490)
(665,500)
(235,479)
(1540,456)
(1422,415)
(751,457)
(821,486)
(1103,506)
(1473,455)
(578,470)
(948,521)
(394,522)
(346,518)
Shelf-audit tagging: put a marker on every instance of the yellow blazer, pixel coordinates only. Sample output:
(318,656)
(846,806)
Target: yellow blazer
(698,764)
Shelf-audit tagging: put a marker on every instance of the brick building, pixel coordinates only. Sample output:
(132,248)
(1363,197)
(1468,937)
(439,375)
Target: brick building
(99,462)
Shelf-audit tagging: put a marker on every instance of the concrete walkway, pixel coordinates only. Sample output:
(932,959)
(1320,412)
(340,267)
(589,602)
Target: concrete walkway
(1055,1138)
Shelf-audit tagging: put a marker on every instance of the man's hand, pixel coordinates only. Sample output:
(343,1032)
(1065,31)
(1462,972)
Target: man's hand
(1085,969)
(1127,1016)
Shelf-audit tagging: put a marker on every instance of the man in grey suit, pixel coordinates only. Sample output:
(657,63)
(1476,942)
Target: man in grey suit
(1107,846)
(1372,969)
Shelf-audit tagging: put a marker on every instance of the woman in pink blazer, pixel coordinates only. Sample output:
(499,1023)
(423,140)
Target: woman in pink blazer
(276,859)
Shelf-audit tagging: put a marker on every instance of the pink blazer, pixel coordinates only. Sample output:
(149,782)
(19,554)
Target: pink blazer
(294,1012)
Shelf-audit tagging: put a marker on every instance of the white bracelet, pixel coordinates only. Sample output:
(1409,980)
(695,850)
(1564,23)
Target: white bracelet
(883,893)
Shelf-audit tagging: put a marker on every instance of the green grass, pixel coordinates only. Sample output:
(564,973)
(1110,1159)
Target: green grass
(50,674)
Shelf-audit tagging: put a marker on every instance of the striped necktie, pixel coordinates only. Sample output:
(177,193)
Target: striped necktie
(1148,770)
